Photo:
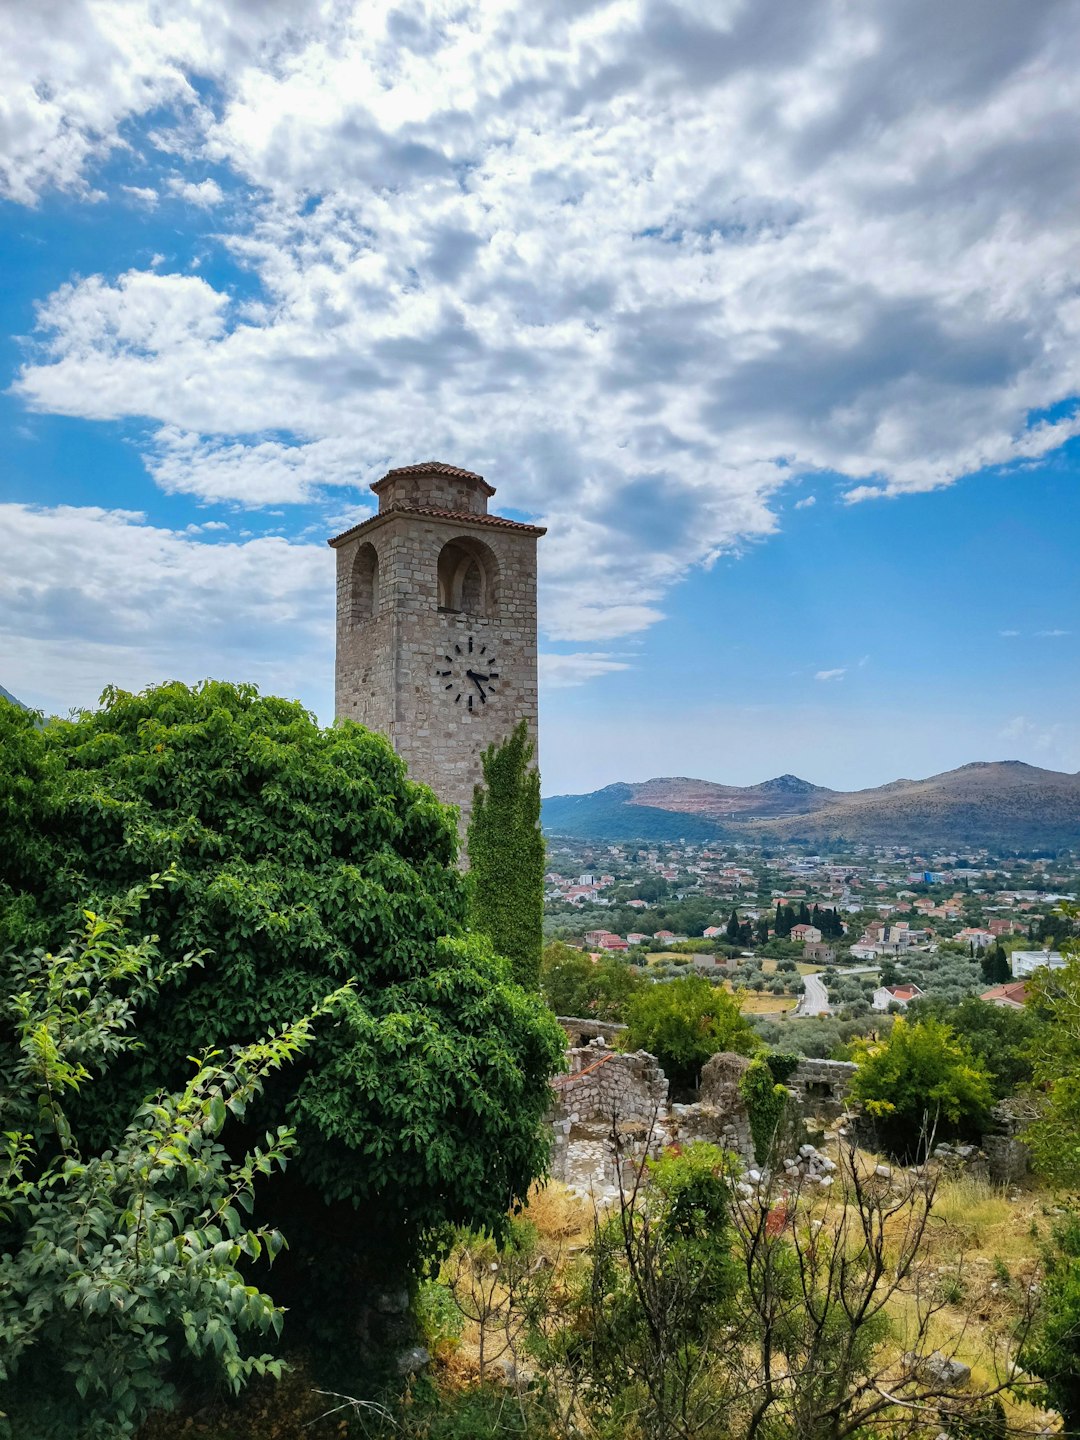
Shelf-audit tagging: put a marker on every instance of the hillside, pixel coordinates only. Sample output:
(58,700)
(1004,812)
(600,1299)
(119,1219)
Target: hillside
(1005,804)
(7,695)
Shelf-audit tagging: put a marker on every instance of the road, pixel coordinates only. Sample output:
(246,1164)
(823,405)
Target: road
(815,997)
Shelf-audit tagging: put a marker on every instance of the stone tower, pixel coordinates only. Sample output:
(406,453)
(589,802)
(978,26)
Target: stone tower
(436,624)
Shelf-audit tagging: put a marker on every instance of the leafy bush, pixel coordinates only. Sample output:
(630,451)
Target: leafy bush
(574,984)
(304,857)
(1053,1352)
(115,1267)
(684,1022)
(922,1076)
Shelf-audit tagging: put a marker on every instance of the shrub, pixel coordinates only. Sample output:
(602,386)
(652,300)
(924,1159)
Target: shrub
(115,1267)
(684,1022)
(922,1077)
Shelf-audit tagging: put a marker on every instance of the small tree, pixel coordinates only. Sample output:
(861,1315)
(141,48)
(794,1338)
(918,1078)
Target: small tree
(684,1022)
(922,1076)
(574,984)
(506,855)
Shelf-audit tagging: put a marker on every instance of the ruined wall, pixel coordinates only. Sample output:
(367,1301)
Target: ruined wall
(606,1088)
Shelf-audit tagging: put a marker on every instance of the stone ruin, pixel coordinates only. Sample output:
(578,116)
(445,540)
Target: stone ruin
(606,1087)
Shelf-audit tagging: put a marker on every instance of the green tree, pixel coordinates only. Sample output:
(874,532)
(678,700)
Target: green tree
(1054,995)
(733,927)
(994,965)
(685,1021)
(575,984)
(304,858)
(922,1075)
(1000,1037)
(761,930)
(1053,1351)
(656,1301)
(115,1267)
(506,855)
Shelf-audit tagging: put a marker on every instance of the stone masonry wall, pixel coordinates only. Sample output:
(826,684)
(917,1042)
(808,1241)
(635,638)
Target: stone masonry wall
(605,1087)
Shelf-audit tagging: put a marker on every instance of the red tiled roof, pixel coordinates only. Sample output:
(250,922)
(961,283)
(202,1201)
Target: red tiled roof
(1014,991)
(464,517)
(433,467)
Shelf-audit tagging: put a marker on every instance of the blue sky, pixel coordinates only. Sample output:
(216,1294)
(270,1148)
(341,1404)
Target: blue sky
(768,311)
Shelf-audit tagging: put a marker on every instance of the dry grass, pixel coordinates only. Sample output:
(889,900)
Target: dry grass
(559,1217)
(755,1004)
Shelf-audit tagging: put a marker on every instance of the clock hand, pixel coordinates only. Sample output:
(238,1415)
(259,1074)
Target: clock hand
(475,675)
(476,681)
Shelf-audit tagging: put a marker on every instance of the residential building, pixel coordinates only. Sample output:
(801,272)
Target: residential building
(886,995)
(1026,962)
(1011,996)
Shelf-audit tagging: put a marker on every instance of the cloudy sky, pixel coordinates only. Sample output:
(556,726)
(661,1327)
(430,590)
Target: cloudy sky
(768,309)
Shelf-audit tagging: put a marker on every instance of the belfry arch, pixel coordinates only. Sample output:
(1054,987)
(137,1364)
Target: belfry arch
(364,594)
(468,577)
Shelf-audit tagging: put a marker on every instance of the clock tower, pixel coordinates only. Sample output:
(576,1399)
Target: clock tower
(436,624)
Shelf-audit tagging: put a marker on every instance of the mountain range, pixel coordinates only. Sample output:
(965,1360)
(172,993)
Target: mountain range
(7,695)
(1003,804)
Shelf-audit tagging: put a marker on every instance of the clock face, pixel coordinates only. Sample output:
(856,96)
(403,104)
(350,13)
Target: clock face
(469,673)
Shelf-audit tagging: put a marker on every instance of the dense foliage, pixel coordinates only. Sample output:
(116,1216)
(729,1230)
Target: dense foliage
(304,858)
(922,1078)
(1053,1352)
(685,1021)
(116,1267)
(766,1102)
(1002,1038)
(573,983)
(1055,1052)
(506,855)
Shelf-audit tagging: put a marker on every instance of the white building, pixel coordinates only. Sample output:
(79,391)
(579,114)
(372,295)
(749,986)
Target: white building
(1026,962)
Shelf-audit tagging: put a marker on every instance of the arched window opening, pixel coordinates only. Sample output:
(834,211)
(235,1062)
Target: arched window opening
(468,574)
(365,583)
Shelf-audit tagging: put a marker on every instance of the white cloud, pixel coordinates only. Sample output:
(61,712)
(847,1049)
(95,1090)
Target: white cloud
(837,674)
(557,672)
(1009,634)
(805,503)
(1051,743)
(204,194)
(1051,634)
(90,597)
(643,265)
(145,194)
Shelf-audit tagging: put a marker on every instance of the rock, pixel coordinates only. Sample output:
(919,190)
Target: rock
(828,1165)
(393,1302)
(410,1361)
(754,1176)
(825,1180)
(883,1172)
(746,1191)
(939,1369)
(806,1151)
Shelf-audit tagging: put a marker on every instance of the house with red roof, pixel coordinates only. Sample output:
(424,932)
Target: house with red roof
(902,995)
(1010,996)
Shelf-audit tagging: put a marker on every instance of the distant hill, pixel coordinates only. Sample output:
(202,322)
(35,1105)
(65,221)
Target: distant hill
(7,695)
(1004,804)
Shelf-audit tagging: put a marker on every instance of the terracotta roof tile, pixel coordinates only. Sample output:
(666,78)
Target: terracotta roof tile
(464,517)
